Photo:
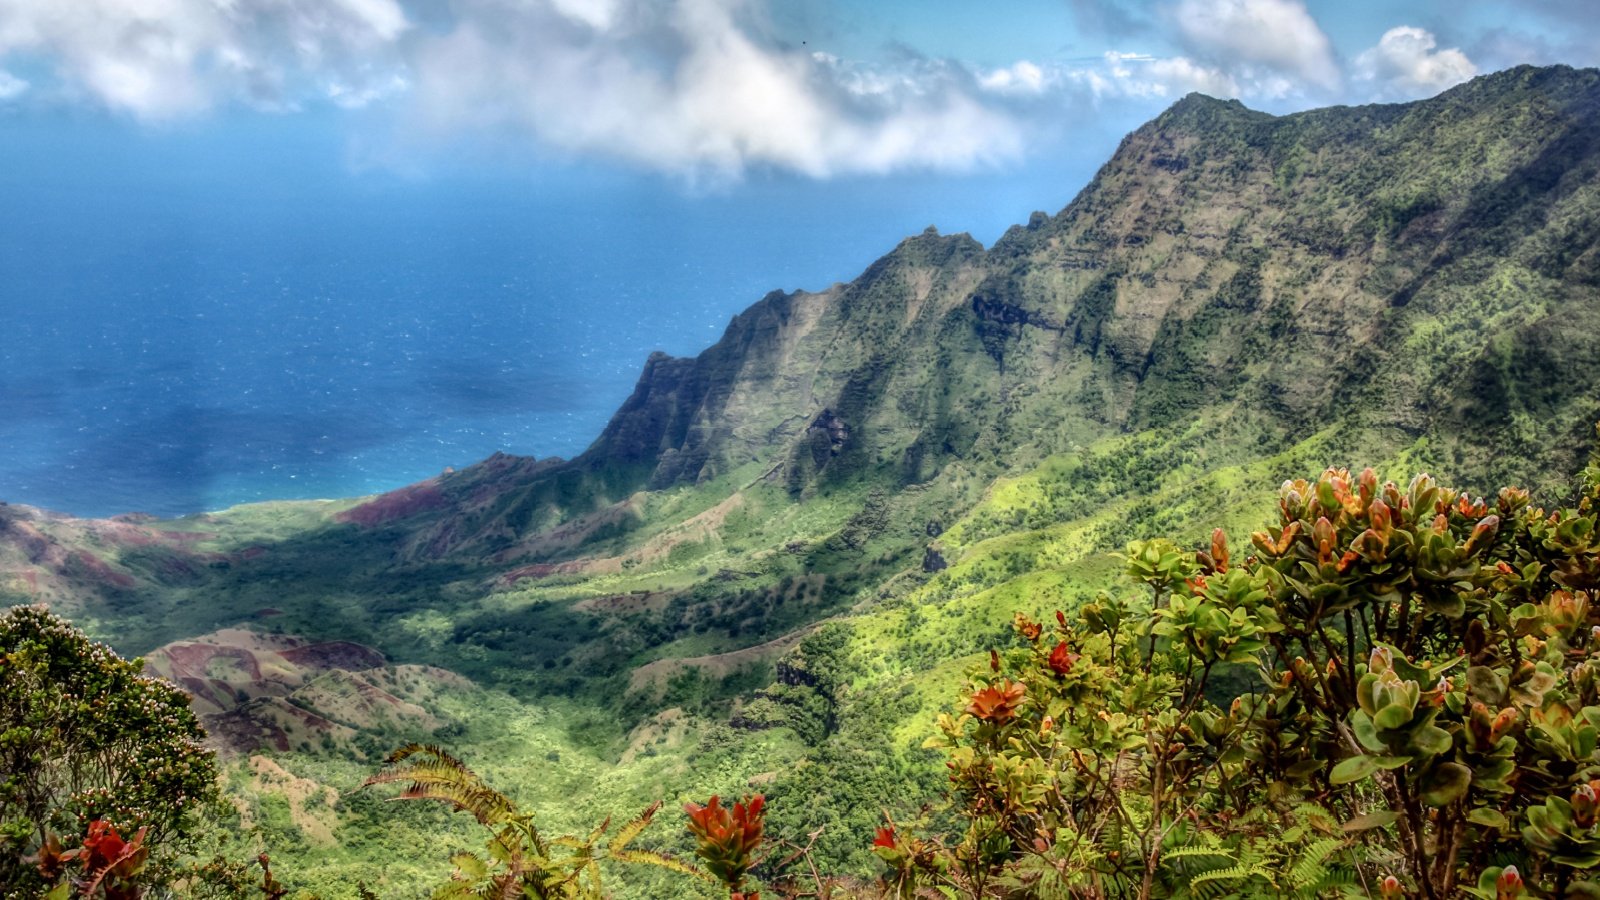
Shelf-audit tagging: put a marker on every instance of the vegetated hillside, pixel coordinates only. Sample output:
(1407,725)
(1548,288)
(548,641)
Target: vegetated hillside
(1236,298)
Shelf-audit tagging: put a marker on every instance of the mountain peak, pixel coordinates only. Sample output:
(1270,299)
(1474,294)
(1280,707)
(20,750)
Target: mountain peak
(1204,111)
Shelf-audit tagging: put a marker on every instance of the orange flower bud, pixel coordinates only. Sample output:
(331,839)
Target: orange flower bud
(1219,550)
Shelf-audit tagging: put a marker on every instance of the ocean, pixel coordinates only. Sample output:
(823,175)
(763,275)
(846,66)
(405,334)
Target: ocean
(195,319)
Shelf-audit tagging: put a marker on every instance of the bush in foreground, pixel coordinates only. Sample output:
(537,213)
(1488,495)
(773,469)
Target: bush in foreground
(1421,717)
(90,747)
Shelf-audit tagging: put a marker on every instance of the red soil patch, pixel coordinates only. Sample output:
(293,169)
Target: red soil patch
(334,655)
(98,568)
(398,504)
(193,660)
(543,570)
(38,547)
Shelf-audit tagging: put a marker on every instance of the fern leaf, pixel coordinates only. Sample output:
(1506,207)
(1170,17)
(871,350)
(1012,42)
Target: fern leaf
(598,830)
(1187,852)
(663,861)
(433,774)
(1311,866)
(633,829)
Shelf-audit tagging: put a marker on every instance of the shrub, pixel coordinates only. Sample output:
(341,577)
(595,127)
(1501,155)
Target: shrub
(1423,720)
(91,747)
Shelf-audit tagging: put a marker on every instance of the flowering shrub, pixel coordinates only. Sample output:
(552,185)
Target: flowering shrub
(1424,720)
(104,866)
(90,747)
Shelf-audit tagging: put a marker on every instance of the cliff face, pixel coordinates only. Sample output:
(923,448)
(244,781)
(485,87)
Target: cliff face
(1432,265)
(784,362)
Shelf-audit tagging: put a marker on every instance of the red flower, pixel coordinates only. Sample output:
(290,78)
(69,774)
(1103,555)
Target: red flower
(997,703)
(884,839)
(727,839)
(1062,658)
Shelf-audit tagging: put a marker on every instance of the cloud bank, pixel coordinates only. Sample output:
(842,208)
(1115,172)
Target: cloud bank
(702,88)
(694,85)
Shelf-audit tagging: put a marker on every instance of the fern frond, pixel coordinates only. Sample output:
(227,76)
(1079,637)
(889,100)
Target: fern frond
(433,774)
(663,861)
(1231,873)
(1188,852)
(633,829)
(487,805)
(1311,867)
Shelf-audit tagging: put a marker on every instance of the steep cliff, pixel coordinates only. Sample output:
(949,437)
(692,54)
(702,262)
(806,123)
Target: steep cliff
(1429,268)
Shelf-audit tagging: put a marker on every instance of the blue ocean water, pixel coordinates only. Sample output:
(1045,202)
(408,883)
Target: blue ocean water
(194,319)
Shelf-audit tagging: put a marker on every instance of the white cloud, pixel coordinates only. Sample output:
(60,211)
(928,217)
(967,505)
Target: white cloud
(1022,77)
(685,86)
(689,86)
(1406,65)
(160,59)
(1273,47)
(11,86)
(1145,76)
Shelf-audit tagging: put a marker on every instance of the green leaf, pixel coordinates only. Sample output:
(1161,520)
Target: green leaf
(471,867)
(1375,819)
(1366,732)
(1431,740)
(1488,818)
(1392,716)
(1353,769)
(1447,782)
(1486,686)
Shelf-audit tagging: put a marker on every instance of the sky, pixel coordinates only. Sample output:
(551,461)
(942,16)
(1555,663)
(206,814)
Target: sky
(285,248)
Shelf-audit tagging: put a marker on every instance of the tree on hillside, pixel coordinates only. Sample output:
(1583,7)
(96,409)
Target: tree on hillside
(90,748)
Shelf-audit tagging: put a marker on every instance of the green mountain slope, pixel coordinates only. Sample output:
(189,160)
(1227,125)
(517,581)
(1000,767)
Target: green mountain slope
(1235,299)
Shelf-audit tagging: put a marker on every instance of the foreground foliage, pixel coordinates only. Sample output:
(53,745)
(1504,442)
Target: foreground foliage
(89,747)
(1423,719)
(518,859)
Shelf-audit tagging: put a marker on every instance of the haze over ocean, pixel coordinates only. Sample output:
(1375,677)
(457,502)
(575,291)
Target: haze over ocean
(194,320)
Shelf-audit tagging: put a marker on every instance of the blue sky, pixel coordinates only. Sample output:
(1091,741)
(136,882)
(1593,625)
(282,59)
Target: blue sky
(284,248)
(707,91)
